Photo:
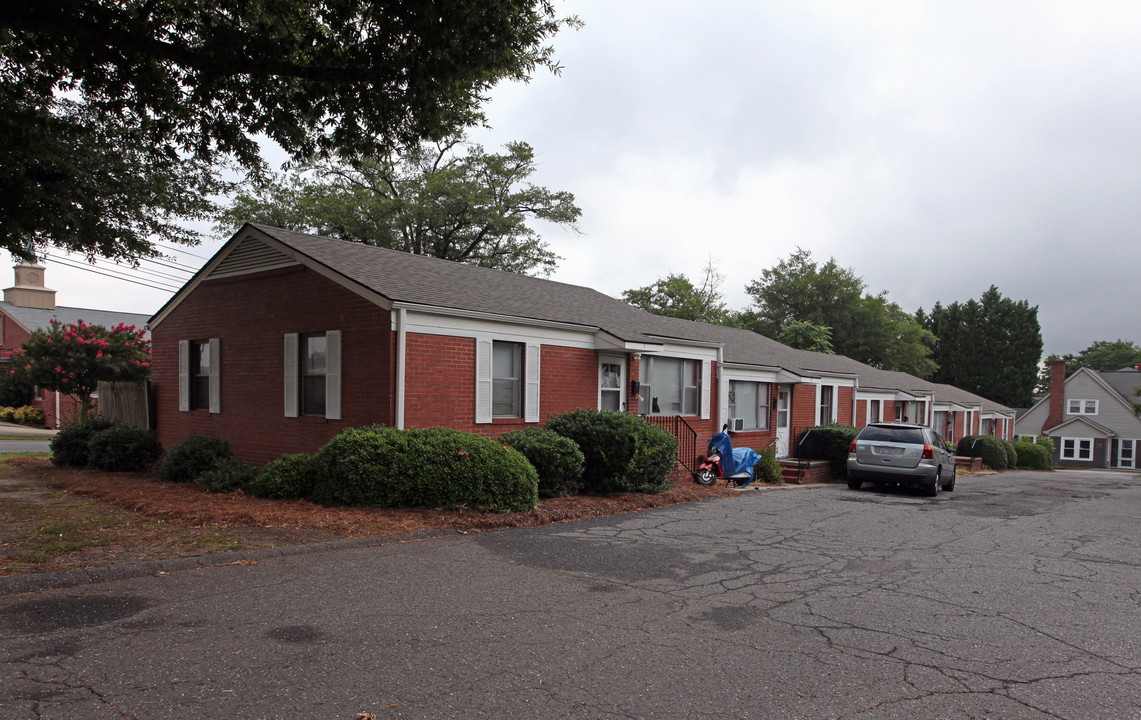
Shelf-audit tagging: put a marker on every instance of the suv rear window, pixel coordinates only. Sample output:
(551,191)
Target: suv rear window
(891,434)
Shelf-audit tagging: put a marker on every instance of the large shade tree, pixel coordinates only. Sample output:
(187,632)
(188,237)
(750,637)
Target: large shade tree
(167,92)
(447,200)
(677,296)
(865,327)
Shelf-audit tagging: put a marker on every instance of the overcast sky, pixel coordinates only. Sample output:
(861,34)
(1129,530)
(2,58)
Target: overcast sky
(935,148)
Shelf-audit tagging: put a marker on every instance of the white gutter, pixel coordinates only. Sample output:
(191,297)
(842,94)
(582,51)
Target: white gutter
(401,362)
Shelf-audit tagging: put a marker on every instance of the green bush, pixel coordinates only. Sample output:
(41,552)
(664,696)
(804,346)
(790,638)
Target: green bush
(14,391)
(1047,442)
(434,467)
(69,445)
(7,414)
(1011,455)
(123,448)
(28,415)
(768,468)
(1031,456)
(556,459)
(192,457)
(828,442)
(229,473)
(622,452)
(992,450)
(289,477)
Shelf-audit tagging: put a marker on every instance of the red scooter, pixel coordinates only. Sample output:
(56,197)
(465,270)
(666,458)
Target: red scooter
(717,459)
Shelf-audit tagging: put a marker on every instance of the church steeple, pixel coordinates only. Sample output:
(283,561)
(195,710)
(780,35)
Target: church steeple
(29,290)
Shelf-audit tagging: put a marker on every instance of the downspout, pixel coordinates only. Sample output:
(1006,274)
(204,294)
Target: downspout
(401,360)
(717,386)
(57,409)
(856,403)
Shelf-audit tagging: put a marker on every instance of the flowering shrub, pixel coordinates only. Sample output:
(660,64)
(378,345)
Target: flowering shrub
(72,358)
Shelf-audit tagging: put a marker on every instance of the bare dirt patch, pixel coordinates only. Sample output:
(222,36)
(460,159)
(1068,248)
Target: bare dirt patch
(159,520)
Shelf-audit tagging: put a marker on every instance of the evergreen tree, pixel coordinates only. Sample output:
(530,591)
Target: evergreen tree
(988,346)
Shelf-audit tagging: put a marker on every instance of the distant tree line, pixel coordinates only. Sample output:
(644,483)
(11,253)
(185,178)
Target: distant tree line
(990,346)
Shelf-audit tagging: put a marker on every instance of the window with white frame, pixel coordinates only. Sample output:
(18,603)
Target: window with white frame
(670,386)
(313,374)
(506,378)
(1077,449)
(750,402)
(875,411)
(826,395)
(1081,407)
(199,375)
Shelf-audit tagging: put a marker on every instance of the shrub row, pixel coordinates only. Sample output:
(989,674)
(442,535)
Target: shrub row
(995,452)
(24,415)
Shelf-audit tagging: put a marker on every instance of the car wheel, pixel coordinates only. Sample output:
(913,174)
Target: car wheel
(854,484)
(949,486)
(704,476)
(932,488)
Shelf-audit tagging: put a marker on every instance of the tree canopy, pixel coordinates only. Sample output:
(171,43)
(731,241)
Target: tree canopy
(676,296)
(447,200)
(990,346)
(865,327)
(180,88)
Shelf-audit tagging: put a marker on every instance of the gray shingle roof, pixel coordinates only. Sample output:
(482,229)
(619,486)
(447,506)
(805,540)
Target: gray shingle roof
(417,279)
(39,319)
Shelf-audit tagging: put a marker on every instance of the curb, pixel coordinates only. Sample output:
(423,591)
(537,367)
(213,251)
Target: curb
(36,582)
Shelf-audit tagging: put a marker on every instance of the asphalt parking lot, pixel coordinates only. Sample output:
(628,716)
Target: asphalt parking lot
(1016,596)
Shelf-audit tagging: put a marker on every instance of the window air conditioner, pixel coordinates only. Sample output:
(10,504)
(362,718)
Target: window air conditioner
(736,424)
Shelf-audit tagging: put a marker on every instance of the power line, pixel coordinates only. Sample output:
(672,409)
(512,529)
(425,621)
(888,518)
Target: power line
(67,262)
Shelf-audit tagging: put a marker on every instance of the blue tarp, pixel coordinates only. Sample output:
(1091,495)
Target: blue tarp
(734,460)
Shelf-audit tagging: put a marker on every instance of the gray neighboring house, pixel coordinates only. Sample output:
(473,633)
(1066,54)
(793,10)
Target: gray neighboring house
(1091,417)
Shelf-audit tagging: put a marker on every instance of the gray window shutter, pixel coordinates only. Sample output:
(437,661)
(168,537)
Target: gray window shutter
(333,374)
(291,351)
(184,375)
(215,375)
(531,386)
(482,380)
(706,379)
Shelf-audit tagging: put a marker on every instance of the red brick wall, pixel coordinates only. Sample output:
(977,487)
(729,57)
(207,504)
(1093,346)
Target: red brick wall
(440,384)
(844,405)
(251,314)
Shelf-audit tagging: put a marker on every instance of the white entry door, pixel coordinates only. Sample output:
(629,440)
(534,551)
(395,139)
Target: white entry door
(611,383)
(782,421)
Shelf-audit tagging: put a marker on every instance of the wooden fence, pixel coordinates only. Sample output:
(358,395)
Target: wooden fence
(126,402)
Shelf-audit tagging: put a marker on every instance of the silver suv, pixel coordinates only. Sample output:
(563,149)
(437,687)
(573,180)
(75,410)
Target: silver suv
(901,454)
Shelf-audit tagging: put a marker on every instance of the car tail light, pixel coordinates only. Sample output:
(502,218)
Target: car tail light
(852,447)
(928,452)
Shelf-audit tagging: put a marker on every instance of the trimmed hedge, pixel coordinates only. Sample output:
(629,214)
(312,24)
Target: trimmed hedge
(557,459)
(622,452)
(828,442)
(69,446)
(122,448)
(289,477)
(1031,456)
(434,467)
(192,457)
(995,452)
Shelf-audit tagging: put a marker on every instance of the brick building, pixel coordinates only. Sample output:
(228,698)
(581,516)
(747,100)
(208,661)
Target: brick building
(284,339)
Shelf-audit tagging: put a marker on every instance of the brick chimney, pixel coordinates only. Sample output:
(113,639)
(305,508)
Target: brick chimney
(29,290)
(1057,394)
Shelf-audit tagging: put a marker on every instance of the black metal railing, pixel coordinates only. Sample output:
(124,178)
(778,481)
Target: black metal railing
(685,435)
